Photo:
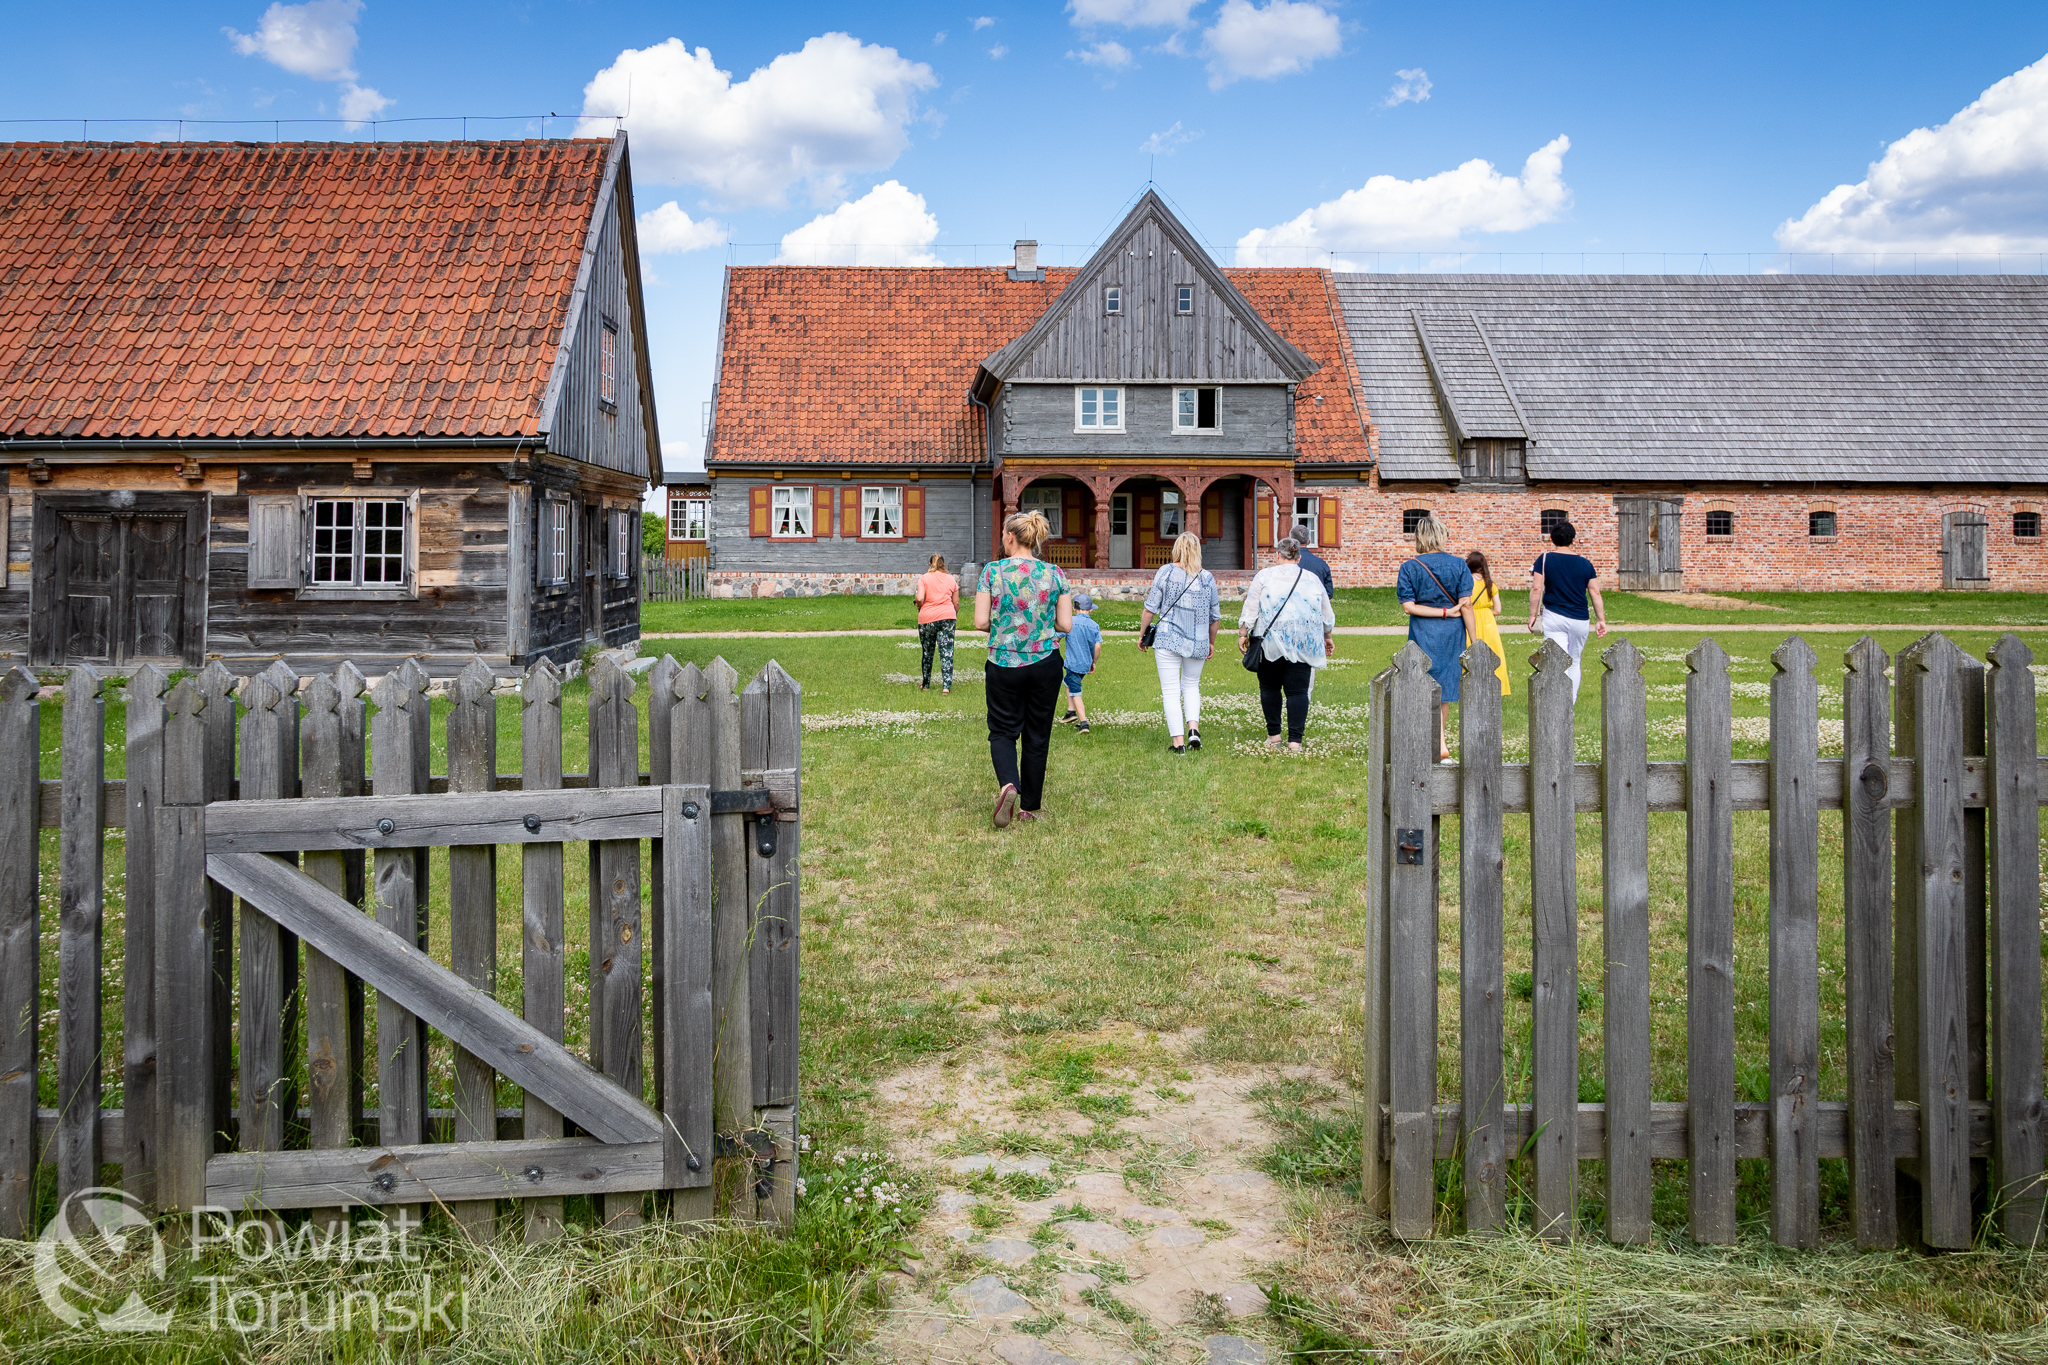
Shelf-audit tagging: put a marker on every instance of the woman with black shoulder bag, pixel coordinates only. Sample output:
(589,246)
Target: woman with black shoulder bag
(1285,632)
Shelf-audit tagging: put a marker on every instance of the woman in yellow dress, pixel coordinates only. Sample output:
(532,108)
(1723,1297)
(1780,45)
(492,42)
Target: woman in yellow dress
(1486,614)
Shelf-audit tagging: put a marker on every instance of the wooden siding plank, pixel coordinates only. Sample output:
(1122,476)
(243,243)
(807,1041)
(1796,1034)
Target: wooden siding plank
(1625,930)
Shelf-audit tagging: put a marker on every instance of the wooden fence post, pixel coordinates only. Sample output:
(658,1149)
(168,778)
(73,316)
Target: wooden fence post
(269,952)
(1411,945)
(661,705)
(1554,908)
(1867,943)
(330,1043)
(1710,945)
(1795,947)
(1375,1169)
(473,917)
(731,956)
(1625,931)
(1488,1147)
(188,1119)
(81,867)
(771,725)
(144,787)
(20,948)
(2013,831)
(542,919)
(401,1035)
(692,1016)
(616,952)
(218,721)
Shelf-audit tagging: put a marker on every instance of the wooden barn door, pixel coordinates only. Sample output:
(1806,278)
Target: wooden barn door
(120,578)
(1963,562)
(1648,547)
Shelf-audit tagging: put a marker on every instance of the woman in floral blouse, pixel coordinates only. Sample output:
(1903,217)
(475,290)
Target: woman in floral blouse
(1025,605)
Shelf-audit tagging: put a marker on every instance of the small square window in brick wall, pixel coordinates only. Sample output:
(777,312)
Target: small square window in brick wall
(1548,519)
(1818,523)
(2026,525)
(1411,517)
(1720,523)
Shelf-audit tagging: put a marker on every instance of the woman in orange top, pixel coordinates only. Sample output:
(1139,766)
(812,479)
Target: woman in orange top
(938,607)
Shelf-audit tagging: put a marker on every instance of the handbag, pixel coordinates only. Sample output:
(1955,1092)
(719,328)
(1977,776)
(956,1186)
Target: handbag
(1255,652)
(1151,630)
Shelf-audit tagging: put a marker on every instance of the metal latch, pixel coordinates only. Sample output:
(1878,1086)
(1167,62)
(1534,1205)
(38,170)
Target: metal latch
(1408,846)
(764,835)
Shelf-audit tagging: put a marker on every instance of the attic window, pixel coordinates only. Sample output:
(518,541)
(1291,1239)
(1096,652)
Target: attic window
(1113,299)
(1184,299)
(608,365)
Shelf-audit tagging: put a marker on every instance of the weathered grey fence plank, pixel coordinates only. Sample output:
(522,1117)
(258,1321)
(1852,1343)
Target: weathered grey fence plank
(689,1058)
(1710,946)
(435,1173)
(1375,1169)
(2013,832)
(81,866)
(771,727)
(398,893)
(732,937)
(541,952)
(269,956)
(220,721)
(187,1119)
(1867,942)
(684,957)
(1795,947)
(1554,910)
(1625,930)
(1480,881)
(473,917)
(616,951)
(661,701)
(1412,944)
(330,1057)
(424,821)
(143,795)
(20,949)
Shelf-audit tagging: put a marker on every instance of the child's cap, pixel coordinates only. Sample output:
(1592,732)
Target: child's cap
(1083,602)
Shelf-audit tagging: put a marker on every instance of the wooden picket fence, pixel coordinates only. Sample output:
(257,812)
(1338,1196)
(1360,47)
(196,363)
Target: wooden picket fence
(674,580)
(1940,786)
(257,789)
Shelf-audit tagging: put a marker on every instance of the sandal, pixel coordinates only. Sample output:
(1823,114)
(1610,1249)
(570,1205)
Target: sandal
(1293,747)
(1006,806)
(1273,742)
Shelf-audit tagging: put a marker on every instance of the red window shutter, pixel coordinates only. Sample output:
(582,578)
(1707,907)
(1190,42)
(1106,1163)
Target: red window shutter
(1264,517)
(1328,517)
(757,510)
(1070,513)
(913,512)
(821,511)
(1212,512)
(849,512)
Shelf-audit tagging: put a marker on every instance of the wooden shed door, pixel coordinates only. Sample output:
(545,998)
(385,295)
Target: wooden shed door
(1963,563)
(120,578)
(1649,545)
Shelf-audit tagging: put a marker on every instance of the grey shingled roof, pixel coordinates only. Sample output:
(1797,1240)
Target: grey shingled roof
(1809,378)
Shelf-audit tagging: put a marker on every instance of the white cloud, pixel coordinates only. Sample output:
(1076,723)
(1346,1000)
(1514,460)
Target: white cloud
(1130,13)
(316,39)
(1112,56)
(1434,212)
(361,103)
(836,107)
(1167,142)
(982,22)
(1977,185)
(939,38)
(998,52)
(1412,87)
(1265,42)
(670,231)
(886,226)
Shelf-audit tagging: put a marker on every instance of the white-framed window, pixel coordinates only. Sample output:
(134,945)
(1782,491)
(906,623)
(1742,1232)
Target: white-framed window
(357,542)
(689,518)
(1098,409)
(1113,299)
(1306,518)
(1184,299)
(1197,409)
(608,364)
(881,513)
(557,537)
(1171,522)
(790,513)
(1047,501)
(619,543)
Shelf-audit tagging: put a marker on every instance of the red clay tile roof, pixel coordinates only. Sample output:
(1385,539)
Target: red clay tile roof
(287,289)
(861,365)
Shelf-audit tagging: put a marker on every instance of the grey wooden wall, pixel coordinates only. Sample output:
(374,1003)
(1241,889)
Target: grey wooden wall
(950,526)
(584,429)
(1038,419)
(1147,340)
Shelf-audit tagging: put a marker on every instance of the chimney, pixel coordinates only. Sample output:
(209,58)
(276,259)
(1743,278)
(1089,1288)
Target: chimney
(1027,256)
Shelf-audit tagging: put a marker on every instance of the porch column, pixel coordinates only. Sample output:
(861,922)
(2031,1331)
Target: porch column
(1101,523)
(1251,521)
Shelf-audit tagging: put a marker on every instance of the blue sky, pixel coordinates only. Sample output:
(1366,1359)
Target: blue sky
(1288,131)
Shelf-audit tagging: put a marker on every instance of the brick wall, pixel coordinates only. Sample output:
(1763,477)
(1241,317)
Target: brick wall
(1885,539)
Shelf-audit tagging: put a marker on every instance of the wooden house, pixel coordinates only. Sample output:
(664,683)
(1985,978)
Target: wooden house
(688,522)
(321,401)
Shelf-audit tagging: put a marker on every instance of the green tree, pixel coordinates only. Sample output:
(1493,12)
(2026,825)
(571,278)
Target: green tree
(653,535)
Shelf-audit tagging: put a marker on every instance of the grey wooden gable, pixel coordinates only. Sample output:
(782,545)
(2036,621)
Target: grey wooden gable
(1148,256)
(1701,379)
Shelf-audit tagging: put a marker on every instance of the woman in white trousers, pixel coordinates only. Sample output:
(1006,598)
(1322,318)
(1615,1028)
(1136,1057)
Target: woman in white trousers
(1185,604)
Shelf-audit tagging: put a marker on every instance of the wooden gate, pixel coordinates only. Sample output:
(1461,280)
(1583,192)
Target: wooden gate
(1648,547)
(119,578)
(322,1100)
(1963,562)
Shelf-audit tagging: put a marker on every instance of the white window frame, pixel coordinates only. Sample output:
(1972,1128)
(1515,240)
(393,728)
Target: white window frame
(802,510)
(1096,406)
(1183,300)
(1049,501)
(354,587)
(1192,395)
(1315,518)
(555,541)
(1113,300)
(619,550)
(879,503)
(608,364)
(1172,504)
(695,514)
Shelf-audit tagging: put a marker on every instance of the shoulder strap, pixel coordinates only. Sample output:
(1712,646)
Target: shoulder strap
(1298,572)
(1438,581)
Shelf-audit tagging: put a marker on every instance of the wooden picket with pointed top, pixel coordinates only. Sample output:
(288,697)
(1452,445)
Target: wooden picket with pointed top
(617,950)
(1625,930)
(1867,942)
(2013,886)
(472,730)
(1412,946)
(543,947)
(80,905)
(1554,911)
(1795,947)
(1710,946)
(1481,881)
(143,794)
(20,949)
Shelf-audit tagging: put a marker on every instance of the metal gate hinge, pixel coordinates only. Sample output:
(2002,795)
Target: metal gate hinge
(1408,846)
(755,1143)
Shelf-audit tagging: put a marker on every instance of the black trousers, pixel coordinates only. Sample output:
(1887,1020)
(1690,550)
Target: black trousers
(1288,677)
(1021,702)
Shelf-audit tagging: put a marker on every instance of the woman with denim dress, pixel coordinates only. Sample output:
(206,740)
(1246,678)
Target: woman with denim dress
(1435,589)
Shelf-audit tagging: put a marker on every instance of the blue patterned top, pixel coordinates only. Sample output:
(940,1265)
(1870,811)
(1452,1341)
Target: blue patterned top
(1296,629)
(1194,603)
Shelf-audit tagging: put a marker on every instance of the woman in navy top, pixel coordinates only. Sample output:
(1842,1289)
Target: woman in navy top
(1435,589)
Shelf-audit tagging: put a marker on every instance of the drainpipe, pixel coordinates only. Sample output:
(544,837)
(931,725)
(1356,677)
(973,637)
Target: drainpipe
(988,426)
